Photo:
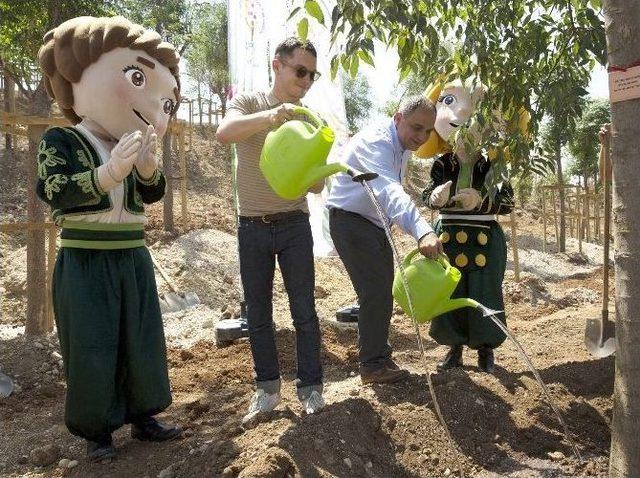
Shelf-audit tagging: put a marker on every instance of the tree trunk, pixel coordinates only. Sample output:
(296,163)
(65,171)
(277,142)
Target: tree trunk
(562,234)
(36,258)
(167,165)
(9,107)
(623,45)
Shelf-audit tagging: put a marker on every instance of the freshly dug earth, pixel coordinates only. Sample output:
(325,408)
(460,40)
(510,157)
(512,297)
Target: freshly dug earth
(500,423)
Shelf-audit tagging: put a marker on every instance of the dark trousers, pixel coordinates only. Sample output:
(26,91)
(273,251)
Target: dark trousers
(291,242)
(367,256)
(111,338)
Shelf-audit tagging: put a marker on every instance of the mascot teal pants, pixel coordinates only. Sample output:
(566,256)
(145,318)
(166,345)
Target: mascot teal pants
(111,337)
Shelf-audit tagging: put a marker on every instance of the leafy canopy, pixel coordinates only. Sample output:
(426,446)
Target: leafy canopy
(529,53)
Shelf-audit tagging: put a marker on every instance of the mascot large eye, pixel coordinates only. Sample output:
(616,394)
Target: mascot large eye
(167,106)
(448,100)
(135,76)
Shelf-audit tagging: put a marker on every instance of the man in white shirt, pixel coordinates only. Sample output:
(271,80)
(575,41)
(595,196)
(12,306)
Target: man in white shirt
(357,230)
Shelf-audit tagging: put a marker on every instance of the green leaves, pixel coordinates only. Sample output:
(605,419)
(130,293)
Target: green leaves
(532,53)
(303,29)
(313,9)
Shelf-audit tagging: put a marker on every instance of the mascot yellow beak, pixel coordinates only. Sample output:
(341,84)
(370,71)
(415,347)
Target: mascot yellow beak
(434,144)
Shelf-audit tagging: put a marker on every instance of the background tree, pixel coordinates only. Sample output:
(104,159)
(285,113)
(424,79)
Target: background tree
(583,144)
(565,106)
(520,50)
(172,19)
(357,100)
(414,84)
(623,46)
(22,26)
(207,61)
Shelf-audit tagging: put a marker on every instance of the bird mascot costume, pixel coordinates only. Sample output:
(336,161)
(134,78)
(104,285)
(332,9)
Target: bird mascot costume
(465,190)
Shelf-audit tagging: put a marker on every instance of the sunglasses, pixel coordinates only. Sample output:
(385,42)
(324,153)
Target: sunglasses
(301,71)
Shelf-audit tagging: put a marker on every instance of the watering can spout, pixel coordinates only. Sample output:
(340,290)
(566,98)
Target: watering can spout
(325,171)
(454,304)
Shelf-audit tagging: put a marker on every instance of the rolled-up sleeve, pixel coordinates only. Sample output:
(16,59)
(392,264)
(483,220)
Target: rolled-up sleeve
(378,156)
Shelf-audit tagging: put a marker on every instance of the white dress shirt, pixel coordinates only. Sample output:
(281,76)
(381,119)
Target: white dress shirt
(378,149)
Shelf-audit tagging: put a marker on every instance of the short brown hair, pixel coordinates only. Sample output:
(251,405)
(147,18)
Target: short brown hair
(412,103)
(77,43)
(287,47)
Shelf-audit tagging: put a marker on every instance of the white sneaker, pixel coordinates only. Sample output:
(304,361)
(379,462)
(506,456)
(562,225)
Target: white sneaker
(313,403)
(261,402)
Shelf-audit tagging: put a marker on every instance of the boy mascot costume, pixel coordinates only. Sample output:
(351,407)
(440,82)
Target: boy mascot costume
(118,84)
(468,196)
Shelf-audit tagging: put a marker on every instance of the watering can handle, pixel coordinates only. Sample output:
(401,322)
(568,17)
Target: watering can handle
(315,119)
(442,259)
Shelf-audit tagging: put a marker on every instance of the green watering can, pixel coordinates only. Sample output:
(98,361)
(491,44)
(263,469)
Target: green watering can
(431,283)
(294,157)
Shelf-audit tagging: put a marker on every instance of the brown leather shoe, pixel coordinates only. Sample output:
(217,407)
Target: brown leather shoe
(384,374)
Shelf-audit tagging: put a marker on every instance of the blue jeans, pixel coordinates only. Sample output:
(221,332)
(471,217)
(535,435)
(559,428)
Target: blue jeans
(291,242)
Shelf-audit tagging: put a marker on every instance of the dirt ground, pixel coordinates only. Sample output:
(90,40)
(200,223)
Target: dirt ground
(501,423)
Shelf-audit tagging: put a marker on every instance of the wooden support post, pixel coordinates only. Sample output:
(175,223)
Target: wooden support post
(183,180)
(587,211)
(167,163)
(190,125)
(580,212)
(51,261)
(572,212)
(514,245)
(596,212)
(544,220)
(210,112)
(36,262)
(555,219)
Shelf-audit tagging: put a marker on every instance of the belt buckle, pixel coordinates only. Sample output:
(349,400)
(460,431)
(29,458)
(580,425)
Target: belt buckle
(264,219)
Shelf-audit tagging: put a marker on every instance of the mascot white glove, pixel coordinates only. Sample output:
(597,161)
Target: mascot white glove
(147,161)
(123,156)
(468,198)
(440,195)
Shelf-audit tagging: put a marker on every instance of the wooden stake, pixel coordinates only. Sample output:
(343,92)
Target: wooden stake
(51,261)
(544,220)
(514,245)
(555,219)
(183,180)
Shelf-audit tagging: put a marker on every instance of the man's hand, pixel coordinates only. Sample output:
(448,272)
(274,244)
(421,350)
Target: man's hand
(317,187)
(430,246)
(469,198)
(604,135)
(440,195)
(280,114)
(147,161)
(605,131)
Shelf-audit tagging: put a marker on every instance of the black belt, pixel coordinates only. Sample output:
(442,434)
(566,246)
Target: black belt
(277,217)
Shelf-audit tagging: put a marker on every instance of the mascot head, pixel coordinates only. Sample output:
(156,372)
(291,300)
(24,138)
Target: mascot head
(455,103)
(114,74)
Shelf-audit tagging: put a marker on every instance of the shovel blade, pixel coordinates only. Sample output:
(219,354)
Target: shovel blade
(599,341)
(172,302)
(6,386)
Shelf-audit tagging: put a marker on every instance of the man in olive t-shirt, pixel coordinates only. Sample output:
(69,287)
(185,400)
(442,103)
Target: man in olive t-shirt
(270,227)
